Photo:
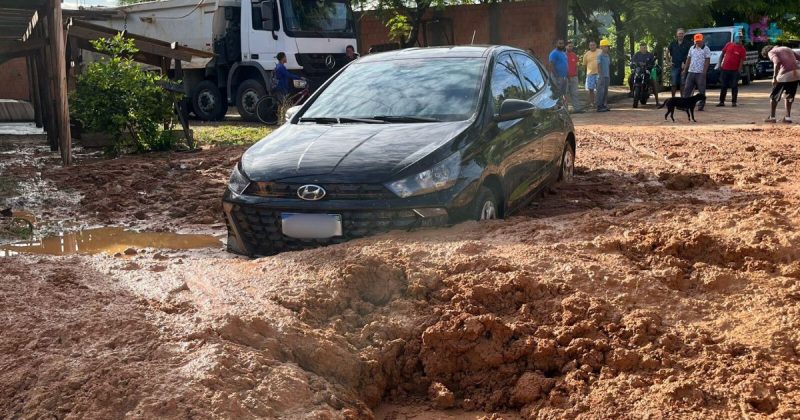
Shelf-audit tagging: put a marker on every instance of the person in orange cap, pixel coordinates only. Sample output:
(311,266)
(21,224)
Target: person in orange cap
(696,69)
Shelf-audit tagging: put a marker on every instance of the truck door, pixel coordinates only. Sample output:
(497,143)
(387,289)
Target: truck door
(260,38)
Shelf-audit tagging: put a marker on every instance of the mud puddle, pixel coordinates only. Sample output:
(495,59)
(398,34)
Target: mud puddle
(109,240)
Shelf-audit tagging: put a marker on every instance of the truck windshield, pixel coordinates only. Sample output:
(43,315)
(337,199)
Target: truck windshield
(715,41)
(318,18)
(422,90)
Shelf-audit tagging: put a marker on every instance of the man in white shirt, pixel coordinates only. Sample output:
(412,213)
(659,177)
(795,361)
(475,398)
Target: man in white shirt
(696,69)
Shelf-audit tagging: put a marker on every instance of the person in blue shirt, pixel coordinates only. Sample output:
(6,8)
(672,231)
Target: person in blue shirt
(558,66)
(603,76)
(282,75)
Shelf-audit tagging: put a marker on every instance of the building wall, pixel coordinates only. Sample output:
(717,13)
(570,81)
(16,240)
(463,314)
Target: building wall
(14,80)
(534,24)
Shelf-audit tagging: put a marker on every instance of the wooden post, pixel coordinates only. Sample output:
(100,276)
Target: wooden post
(33,83)
(58,68)
(46,86)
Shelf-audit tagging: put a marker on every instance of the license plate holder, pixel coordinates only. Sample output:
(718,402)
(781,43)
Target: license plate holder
(311,225)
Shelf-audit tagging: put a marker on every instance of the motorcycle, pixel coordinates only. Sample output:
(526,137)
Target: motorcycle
(642,88)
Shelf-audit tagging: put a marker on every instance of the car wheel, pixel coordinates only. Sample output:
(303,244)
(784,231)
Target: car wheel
(487,205)
(247,96)
(208,103)
(567,172)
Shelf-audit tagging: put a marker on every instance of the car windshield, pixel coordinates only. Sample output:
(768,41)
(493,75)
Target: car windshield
(715,41)
(317,16)
(434,89)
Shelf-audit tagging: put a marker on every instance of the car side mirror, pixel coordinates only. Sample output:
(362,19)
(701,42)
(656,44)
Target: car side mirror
(267,13)
(512,109)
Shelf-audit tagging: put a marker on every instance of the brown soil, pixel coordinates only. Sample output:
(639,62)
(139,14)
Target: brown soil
(664,282)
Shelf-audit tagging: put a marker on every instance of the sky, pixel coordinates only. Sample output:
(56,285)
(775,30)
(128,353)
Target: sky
(73,4)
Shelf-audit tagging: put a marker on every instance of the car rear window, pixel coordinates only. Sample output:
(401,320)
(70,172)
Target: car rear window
(444,89)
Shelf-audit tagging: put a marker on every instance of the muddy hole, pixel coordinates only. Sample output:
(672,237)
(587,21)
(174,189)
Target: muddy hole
(108,240)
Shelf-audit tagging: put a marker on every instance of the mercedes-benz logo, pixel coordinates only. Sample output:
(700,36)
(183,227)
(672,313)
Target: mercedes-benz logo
(330,62)
(311,192)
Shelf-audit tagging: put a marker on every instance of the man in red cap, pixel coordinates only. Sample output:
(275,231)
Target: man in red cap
(696,69)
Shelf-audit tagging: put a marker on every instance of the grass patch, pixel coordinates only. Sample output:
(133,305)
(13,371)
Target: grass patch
(229,134)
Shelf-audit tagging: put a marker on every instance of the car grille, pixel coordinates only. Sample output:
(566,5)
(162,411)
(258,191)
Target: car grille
(333,191)
(260,228)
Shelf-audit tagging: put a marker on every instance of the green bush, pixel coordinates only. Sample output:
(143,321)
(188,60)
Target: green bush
(116,96)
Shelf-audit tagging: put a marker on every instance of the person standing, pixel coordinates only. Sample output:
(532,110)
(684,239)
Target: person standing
(696,69)
(283,75)
(350,54)
(731,62)
(558,66)
(603,76)
(678,51)
(590,61)
(784,79)
(572,79)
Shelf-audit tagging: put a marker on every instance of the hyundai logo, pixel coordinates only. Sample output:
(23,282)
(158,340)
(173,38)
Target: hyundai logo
(330,62)
(311,192)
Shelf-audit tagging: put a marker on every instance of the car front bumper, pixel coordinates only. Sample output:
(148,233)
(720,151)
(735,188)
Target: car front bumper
(255,223)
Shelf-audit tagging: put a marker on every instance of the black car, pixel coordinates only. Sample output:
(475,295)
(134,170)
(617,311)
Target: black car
(400,140)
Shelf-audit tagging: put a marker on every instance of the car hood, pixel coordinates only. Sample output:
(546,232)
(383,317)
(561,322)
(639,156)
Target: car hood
(364,153)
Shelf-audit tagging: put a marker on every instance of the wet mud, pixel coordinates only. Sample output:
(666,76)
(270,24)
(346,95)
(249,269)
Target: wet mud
(663,283)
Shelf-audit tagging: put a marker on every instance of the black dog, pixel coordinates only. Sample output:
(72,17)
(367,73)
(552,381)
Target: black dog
(684,104)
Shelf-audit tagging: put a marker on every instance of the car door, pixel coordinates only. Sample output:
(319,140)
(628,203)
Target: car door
(552,113)
(516,141)
(259,44)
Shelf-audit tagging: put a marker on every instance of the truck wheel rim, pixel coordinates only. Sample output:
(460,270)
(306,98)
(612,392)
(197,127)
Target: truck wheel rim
(249,101)
(206,101)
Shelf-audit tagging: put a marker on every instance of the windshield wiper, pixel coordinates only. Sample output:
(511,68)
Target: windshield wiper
(405,119)
(342,120)
(321,120)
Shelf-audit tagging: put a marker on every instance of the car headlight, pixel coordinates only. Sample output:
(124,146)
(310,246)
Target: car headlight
(443,175)
(238,182)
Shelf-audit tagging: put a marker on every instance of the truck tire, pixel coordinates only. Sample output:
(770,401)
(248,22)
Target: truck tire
(208,103)
(247,96)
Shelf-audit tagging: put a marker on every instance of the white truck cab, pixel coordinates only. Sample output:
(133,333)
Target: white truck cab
(245,36)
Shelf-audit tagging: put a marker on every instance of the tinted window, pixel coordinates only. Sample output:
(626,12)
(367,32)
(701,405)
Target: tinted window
(257,18)
(444,89)
(506,82)
(531,73)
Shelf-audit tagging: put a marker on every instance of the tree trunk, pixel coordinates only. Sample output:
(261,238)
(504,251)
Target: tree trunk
(619,66)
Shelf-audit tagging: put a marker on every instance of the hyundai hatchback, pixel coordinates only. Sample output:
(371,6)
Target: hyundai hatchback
(401,140)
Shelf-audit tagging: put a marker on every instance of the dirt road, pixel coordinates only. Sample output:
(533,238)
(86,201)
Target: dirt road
(663,283)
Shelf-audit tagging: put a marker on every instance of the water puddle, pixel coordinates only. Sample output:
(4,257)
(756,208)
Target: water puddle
(110,241)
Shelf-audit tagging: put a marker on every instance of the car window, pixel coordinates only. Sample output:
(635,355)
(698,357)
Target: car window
(506,83)
(531,73)
(445,89)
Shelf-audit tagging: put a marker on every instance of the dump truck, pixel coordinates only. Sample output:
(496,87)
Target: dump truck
(244,36)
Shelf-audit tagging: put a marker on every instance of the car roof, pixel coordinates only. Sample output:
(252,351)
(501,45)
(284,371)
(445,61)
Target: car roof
(457,51)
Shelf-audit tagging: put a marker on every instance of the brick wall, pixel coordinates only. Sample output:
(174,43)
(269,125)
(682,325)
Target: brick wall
(532,24)
(14,80)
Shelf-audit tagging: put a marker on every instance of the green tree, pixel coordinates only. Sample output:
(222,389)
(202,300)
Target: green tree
(116,96)
(403,17)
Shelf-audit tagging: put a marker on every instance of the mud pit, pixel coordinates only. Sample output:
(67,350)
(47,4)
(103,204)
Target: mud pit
(663,283)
